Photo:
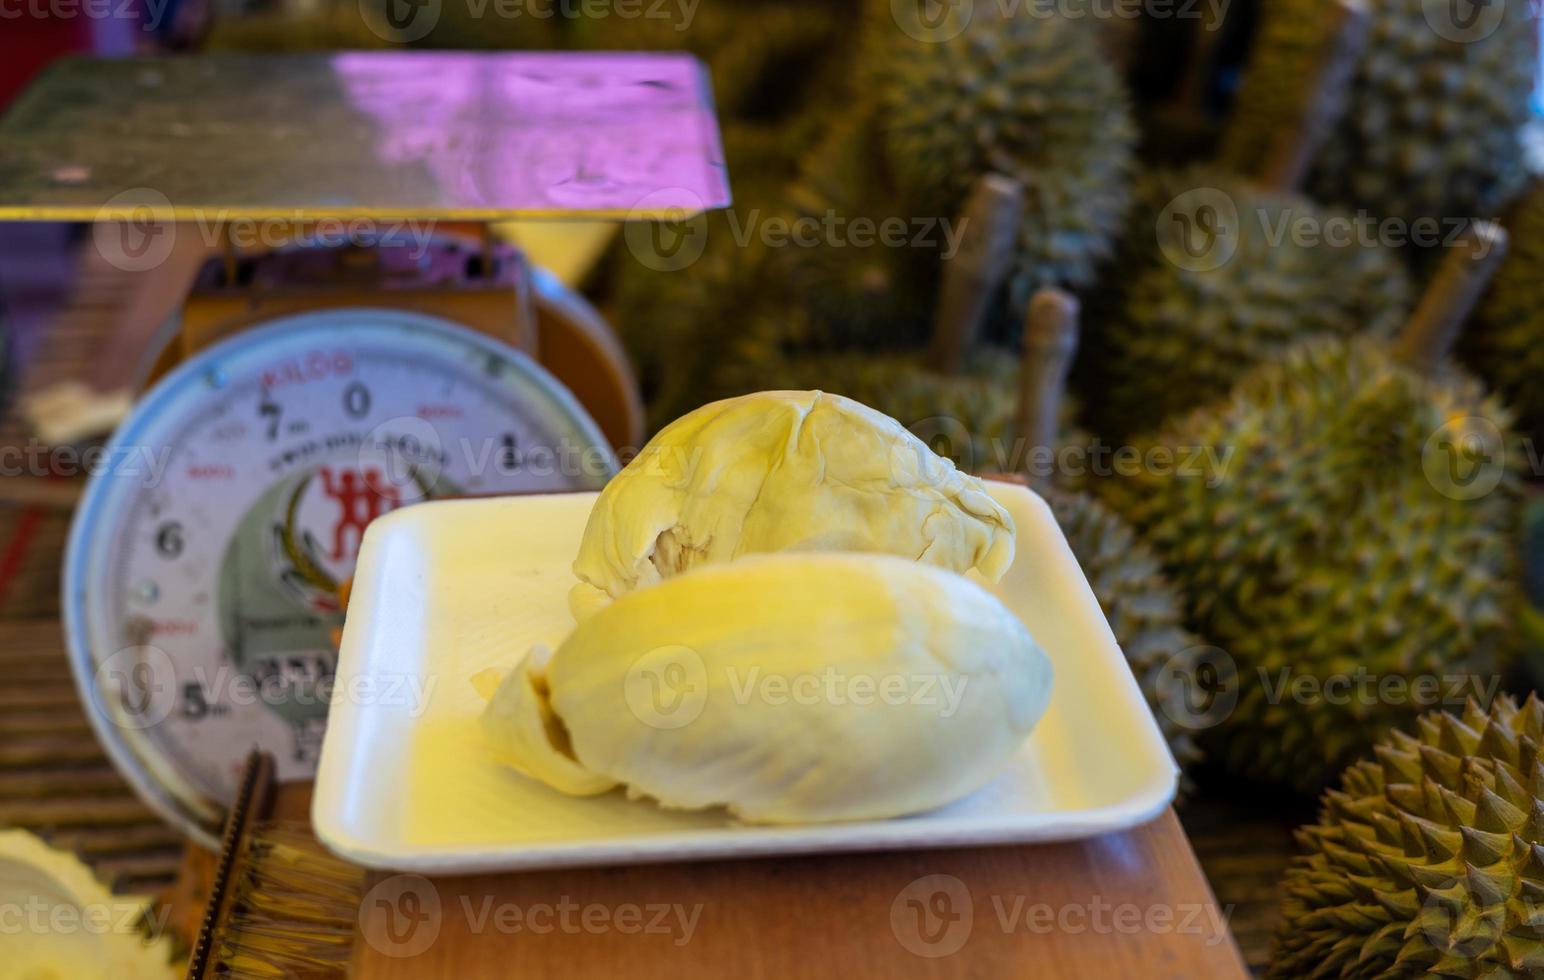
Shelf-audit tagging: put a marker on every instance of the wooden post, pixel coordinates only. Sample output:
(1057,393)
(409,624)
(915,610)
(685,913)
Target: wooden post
(1050,340)
(1294,147)
(989,227)
(1465,271)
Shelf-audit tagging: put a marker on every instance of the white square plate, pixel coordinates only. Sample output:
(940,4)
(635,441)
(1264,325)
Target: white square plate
(447,589)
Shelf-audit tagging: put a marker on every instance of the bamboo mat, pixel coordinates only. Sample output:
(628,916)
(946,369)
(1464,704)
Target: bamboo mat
(54,324)
(55,779)
(33,539)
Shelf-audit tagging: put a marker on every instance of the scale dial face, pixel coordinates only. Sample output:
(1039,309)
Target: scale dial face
(202,579)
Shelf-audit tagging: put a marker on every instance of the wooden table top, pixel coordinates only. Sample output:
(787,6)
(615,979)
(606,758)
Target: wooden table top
(1133,904)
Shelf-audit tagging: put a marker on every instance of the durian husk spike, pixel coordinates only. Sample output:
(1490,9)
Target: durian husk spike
(1294,147)
(1050,341)
(989,227)
(1465,271)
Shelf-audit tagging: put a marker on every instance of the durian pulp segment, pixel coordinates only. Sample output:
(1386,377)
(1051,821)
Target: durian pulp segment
(787,471)
(522,731)
(786,706)
(966,417)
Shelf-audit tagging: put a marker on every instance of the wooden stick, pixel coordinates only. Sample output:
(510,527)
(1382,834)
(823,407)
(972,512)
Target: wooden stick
(1188,98)
(1294,147)
(988,228)
(1465,271)
(1050,340)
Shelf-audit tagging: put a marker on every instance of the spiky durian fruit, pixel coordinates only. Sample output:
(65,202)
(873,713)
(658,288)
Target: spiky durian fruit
(1429,860)
(1506,342)
(1142,608)
(687,329)
(1213,281)
(775,60)
(961,406)
(1022,94)
(1432,116)
(867,270)
(468,26)
(772,65)
(1315,527)
(674,322)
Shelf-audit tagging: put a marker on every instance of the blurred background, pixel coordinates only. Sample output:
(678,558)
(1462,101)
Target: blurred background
(1275,221)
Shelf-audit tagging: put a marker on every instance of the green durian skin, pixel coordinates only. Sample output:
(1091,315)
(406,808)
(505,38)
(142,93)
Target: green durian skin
(870,292)
(1505,343)
(774,68)
(777,69)
(1429,858)
(1428,127)
(1022,94)
(692,332)
(1167,339)
(1300,522)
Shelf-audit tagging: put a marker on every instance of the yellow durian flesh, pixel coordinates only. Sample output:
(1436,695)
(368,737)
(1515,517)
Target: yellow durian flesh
(522,732)
(672,690)
(784,471)
(65,924)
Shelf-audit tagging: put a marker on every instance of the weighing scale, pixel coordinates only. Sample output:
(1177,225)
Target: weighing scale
(308,388)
